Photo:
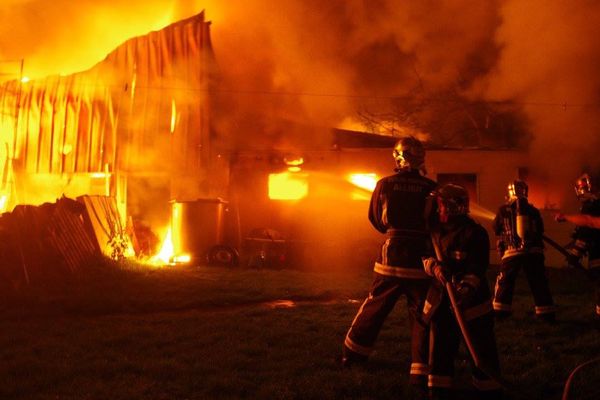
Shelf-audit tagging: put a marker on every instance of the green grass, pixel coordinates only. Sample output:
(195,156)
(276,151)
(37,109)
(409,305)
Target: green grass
(129,333)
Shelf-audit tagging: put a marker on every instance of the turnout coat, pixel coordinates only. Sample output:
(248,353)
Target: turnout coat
(464,245)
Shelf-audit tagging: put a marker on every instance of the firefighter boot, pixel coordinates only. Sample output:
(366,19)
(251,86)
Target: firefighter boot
(549,318)
(351,358)
(441,394)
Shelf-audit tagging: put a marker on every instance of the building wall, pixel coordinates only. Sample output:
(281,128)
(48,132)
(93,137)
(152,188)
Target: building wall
(337,214)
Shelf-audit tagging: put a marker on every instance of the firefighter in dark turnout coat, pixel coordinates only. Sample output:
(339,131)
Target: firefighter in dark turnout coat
(400,209)
(586,239)
(519,228)
(464,247)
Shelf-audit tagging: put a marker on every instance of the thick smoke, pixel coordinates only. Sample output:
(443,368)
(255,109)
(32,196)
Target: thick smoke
(549,64)
(322,63)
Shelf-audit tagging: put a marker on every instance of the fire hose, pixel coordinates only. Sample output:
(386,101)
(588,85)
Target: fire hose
(564,252)
(569,382)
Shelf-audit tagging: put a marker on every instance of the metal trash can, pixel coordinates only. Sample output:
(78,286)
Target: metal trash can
(197,229)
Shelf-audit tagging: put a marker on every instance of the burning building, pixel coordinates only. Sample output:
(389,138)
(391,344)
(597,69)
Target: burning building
(136,126)
(140,127)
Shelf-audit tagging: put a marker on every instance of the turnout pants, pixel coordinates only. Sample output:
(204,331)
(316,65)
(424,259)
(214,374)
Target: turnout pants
(385,292)
(535,271)
(595,276)
(445,337)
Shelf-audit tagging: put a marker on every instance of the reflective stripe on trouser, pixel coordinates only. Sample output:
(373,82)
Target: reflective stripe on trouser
(439,381)
(535,271)
(357,348)
(369,319)
(419,369)
(542,310)
(445,339)
(597,310)
(502,307)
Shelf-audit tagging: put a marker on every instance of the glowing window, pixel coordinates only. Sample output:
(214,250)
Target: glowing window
(288,186)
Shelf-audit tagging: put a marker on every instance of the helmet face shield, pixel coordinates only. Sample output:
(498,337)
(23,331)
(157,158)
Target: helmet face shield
(517,190)
(409,153)
(402,158)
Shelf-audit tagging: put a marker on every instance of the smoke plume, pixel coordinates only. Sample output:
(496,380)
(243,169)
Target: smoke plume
(533,65)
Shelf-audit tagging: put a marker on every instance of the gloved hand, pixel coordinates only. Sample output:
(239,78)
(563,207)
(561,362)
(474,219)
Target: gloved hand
(433,267)
(464,293)
(573,261)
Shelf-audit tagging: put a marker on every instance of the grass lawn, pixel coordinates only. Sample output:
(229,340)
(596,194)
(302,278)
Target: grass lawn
(212,333)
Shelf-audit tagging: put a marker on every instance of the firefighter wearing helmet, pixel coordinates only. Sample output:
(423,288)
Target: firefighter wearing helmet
(586,239)
(400,208)
(461,258)
(519,230)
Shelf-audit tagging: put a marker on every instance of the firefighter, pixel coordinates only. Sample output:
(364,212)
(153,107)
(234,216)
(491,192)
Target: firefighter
(462,259)
(519,228)
(400,208)
(586,239)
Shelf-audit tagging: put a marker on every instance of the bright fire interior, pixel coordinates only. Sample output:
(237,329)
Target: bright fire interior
(288,186)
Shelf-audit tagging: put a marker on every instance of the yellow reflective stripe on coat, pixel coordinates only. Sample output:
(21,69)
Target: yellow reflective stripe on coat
(400,272)
(439,381)
(426,307)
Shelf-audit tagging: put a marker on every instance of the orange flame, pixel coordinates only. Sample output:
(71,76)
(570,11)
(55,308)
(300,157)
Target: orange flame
(288,186)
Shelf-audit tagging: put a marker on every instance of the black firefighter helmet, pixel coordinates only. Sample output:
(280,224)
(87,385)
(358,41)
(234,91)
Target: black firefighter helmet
(453,200)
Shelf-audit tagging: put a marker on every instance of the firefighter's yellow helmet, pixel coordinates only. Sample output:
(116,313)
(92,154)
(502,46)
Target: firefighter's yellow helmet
(409,153)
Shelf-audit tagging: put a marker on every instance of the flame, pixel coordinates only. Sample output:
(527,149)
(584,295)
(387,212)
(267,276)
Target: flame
(288,186)
(3,202)
(173,115)
(165,254)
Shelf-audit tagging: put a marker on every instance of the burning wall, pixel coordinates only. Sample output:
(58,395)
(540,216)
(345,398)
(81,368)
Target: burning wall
(144,110)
